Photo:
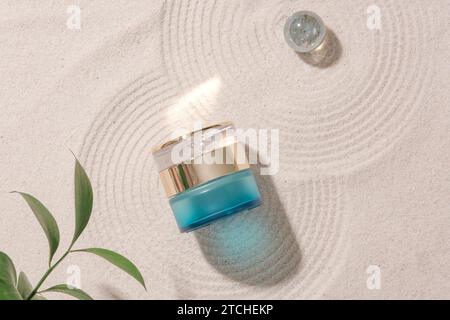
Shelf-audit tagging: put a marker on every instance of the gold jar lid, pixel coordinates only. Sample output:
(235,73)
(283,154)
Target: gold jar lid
(198,157)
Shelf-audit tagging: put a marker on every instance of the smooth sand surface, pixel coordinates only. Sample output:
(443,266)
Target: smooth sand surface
(364,127)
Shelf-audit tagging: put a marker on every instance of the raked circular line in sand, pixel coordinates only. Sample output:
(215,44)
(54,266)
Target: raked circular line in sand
(333,118)
(290,247)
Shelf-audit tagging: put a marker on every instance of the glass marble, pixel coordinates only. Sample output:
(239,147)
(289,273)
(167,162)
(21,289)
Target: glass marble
(304,31)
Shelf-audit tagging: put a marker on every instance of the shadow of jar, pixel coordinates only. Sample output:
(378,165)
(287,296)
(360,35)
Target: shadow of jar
(256,247)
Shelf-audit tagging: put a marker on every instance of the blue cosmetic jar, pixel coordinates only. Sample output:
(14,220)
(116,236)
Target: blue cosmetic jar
(206,176)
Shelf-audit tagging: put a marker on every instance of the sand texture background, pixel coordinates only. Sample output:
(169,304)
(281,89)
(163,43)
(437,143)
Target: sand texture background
(364,155)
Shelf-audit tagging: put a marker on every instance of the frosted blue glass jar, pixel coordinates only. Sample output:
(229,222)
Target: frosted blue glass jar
(206,176)
(214,199)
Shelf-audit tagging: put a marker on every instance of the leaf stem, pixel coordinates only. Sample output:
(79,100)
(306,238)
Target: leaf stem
(46,274)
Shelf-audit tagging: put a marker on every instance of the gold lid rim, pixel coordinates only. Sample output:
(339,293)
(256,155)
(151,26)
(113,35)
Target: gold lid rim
(186,175)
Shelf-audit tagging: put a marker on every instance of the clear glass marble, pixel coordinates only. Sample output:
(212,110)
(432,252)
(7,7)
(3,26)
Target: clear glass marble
(304,31)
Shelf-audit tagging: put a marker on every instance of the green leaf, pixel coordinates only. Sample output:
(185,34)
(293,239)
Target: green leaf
(8,279)
(25,288)
(83,200)
(119,261)
(46,220)
(74,292)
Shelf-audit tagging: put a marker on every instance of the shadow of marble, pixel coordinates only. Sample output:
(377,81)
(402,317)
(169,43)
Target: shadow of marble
(326,55)
(257,247)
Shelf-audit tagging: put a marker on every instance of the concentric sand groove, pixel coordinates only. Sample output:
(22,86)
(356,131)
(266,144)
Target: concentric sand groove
(293,244)
(121,136)
(333,119)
